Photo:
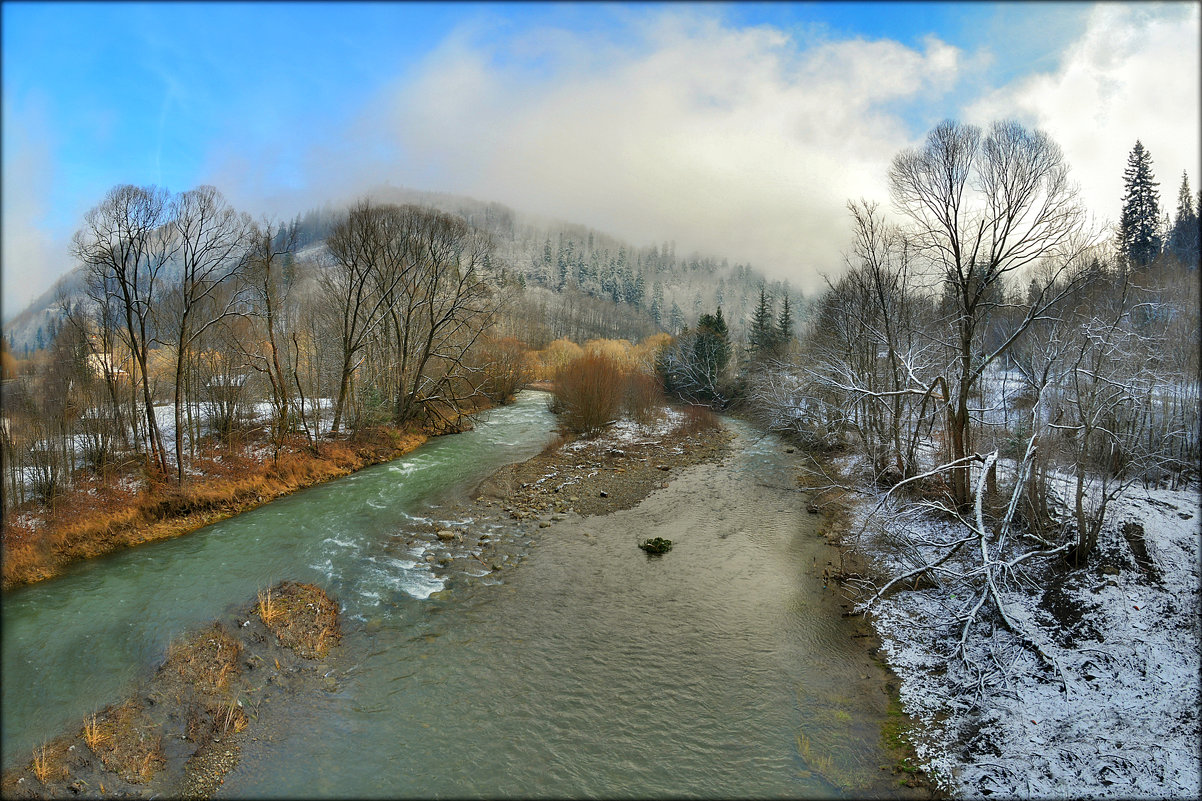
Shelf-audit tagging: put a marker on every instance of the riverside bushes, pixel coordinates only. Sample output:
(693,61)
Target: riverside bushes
(589,392)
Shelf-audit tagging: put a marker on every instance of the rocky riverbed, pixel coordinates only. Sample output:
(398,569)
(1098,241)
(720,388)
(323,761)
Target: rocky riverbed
(573,478)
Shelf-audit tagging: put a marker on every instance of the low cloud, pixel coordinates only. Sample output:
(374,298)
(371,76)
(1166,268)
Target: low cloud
(668,123)
(736,142)
(32,258)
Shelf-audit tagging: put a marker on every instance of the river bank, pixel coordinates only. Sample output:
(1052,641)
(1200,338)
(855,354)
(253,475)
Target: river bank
(1116,717)
(101,516)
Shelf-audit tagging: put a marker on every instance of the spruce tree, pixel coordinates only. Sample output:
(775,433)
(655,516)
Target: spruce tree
(675,319)
(657,303)
(784,324)
(1184,235)
(1139,237)
(761,336)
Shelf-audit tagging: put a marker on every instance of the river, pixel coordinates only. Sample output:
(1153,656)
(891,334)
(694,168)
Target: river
(721,669)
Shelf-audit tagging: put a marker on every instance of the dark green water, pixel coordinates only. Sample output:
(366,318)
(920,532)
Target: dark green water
(721,669)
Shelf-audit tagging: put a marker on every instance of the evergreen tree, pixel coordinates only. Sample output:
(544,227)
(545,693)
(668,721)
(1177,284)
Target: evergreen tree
(657,302)
(711,348)
(1139,226)
(675,319)
(546,276)
(1184,235)
(784,324)
(761,334)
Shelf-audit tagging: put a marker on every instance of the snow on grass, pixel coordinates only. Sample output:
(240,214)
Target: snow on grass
(626,432)
(1119,720)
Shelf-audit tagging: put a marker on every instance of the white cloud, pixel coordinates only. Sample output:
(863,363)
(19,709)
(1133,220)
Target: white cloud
(1133,74)
(735,142)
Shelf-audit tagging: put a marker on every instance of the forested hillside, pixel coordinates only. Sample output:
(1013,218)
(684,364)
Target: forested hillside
(574,281)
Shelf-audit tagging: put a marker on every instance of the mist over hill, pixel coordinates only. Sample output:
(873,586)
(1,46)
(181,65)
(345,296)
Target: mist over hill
(569,278)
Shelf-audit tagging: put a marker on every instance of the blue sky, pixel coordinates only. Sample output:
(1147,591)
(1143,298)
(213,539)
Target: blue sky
(607,114)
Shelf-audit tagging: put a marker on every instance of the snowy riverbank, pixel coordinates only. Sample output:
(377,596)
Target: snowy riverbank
(1117,718)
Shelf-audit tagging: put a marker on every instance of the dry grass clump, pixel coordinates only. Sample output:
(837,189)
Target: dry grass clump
(207,721)
(95,736)
(49,761)
(126,742)
(207,660)
(268,609)
(301,616)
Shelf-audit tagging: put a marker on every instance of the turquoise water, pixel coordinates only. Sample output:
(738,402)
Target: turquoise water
(722,669)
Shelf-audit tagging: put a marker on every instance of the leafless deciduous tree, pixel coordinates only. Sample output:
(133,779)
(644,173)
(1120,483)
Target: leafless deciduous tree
(268,288)
(125,243)
(983,205)
(408,281)
(212,241)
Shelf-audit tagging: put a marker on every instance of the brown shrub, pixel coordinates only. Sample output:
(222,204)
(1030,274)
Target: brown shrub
(644,397)
(505,368)
(590,391)
(697,420)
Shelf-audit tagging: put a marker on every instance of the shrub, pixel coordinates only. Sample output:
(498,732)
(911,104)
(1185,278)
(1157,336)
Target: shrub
(698,420)
(644,397)
(504,367)
(589,392)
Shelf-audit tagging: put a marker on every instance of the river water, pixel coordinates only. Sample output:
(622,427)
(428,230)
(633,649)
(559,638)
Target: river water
(721,669)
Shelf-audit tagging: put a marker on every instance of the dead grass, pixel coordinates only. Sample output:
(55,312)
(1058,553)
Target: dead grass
(98,517)
(48,762)
(267,609)
(231,717)
(127,742)
(206,660)
(94,736)
(206,721)
(302,618)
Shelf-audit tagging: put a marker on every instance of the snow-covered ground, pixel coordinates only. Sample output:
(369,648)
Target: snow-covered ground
(1120,716)
(626,432)
(164,414)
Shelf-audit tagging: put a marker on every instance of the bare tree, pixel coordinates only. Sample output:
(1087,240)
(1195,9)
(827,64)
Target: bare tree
(357,245)
(270,250)
(446,306)
(125,243)
(982,208)
(212,248)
